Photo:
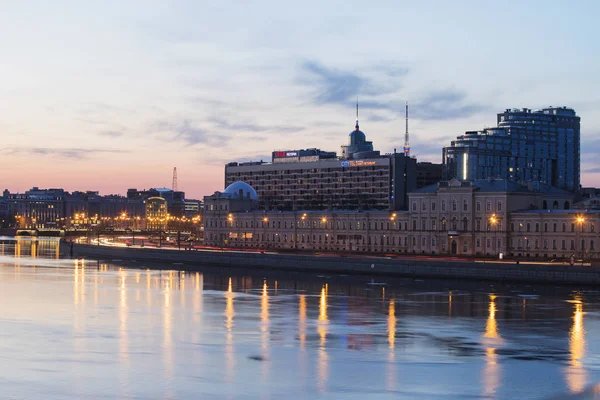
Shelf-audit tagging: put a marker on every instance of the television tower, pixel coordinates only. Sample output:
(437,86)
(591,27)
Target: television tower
(406,145)
(174,187)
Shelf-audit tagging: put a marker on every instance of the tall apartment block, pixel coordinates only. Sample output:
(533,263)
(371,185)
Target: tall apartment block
(525,146)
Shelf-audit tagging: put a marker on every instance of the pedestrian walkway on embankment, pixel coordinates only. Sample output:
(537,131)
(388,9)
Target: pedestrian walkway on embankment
(418,268)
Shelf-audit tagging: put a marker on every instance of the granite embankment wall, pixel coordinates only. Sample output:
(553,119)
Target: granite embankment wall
(191,260)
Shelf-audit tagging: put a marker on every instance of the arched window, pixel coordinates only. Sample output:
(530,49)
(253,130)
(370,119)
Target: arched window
(453,205)
(443,224)
(465,224)
(555,205)
(454,223)
(566,205)
(443,205)
(544,205)
(465,205)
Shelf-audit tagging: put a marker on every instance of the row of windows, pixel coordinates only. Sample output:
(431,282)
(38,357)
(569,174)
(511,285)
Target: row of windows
(520,226)
(454,205)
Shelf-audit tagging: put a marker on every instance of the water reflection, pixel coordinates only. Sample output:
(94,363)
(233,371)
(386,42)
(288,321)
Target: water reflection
(391,327)
(491,341)
(302,321)
(575,372)
(322,328)
(123,334)
(229,348)
(167,344)
(185,330)
(264,328)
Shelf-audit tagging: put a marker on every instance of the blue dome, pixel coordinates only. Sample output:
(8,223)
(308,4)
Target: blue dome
(246,190)
(357,137)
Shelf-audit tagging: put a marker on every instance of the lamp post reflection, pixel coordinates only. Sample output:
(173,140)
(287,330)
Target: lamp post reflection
(167,344)
(264,328)
(391,367)
(229,349)
(123,337)
(491,341)
(575,373)
(322,327)
(302,321)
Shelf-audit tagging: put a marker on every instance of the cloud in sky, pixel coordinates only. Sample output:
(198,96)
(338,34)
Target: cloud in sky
(111,134)
(187,132)
(68,153)
(339,87)
(444,105)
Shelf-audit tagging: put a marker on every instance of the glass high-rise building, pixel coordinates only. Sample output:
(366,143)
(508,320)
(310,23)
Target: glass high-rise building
(525,146)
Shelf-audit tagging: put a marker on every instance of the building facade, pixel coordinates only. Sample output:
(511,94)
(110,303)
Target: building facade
(525,146)
(376,183)
(462,218)
(57,208)
(313,179)
(156,214)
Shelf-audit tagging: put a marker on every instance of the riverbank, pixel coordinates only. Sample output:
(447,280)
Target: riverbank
(439,269)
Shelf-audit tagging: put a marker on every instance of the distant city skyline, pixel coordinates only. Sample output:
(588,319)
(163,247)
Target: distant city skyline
(108,96)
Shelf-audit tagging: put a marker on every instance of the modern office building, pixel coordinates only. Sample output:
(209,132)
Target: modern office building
(525,146)
(469,218)
(313,179)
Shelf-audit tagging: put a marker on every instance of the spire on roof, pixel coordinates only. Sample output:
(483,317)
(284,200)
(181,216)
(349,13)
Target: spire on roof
(356,126)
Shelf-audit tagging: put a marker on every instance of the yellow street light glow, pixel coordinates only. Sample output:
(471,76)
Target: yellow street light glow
(265,219)
(580,219)
(323,220)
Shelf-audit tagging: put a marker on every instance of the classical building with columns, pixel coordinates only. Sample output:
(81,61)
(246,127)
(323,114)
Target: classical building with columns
(465,218)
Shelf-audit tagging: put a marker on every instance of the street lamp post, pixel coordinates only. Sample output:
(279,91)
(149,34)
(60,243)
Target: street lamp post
(493,221)
(265,221)
(580,221)
(393,221)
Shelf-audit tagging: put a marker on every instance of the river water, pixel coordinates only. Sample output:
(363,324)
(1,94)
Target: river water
(82,329)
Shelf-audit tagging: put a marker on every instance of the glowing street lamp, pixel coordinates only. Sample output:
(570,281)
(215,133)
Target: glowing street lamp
(494,222)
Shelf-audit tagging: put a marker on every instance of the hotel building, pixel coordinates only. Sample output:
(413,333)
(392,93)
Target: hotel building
(313,179)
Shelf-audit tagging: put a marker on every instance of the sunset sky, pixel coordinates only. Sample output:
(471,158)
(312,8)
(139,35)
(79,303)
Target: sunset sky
(110,95)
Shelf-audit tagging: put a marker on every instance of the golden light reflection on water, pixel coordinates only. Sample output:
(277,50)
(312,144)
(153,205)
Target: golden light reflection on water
(391,325)
(450,303)
(198,280)
(491,341)
(264,328)
(575,373)
(123,339)
(167,344)
(322,328)
(302,321)
(229,348)
(78,282)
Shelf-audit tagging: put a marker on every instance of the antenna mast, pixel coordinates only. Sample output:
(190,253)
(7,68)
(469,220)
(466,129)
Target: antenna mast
(174,187)
(406,145)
